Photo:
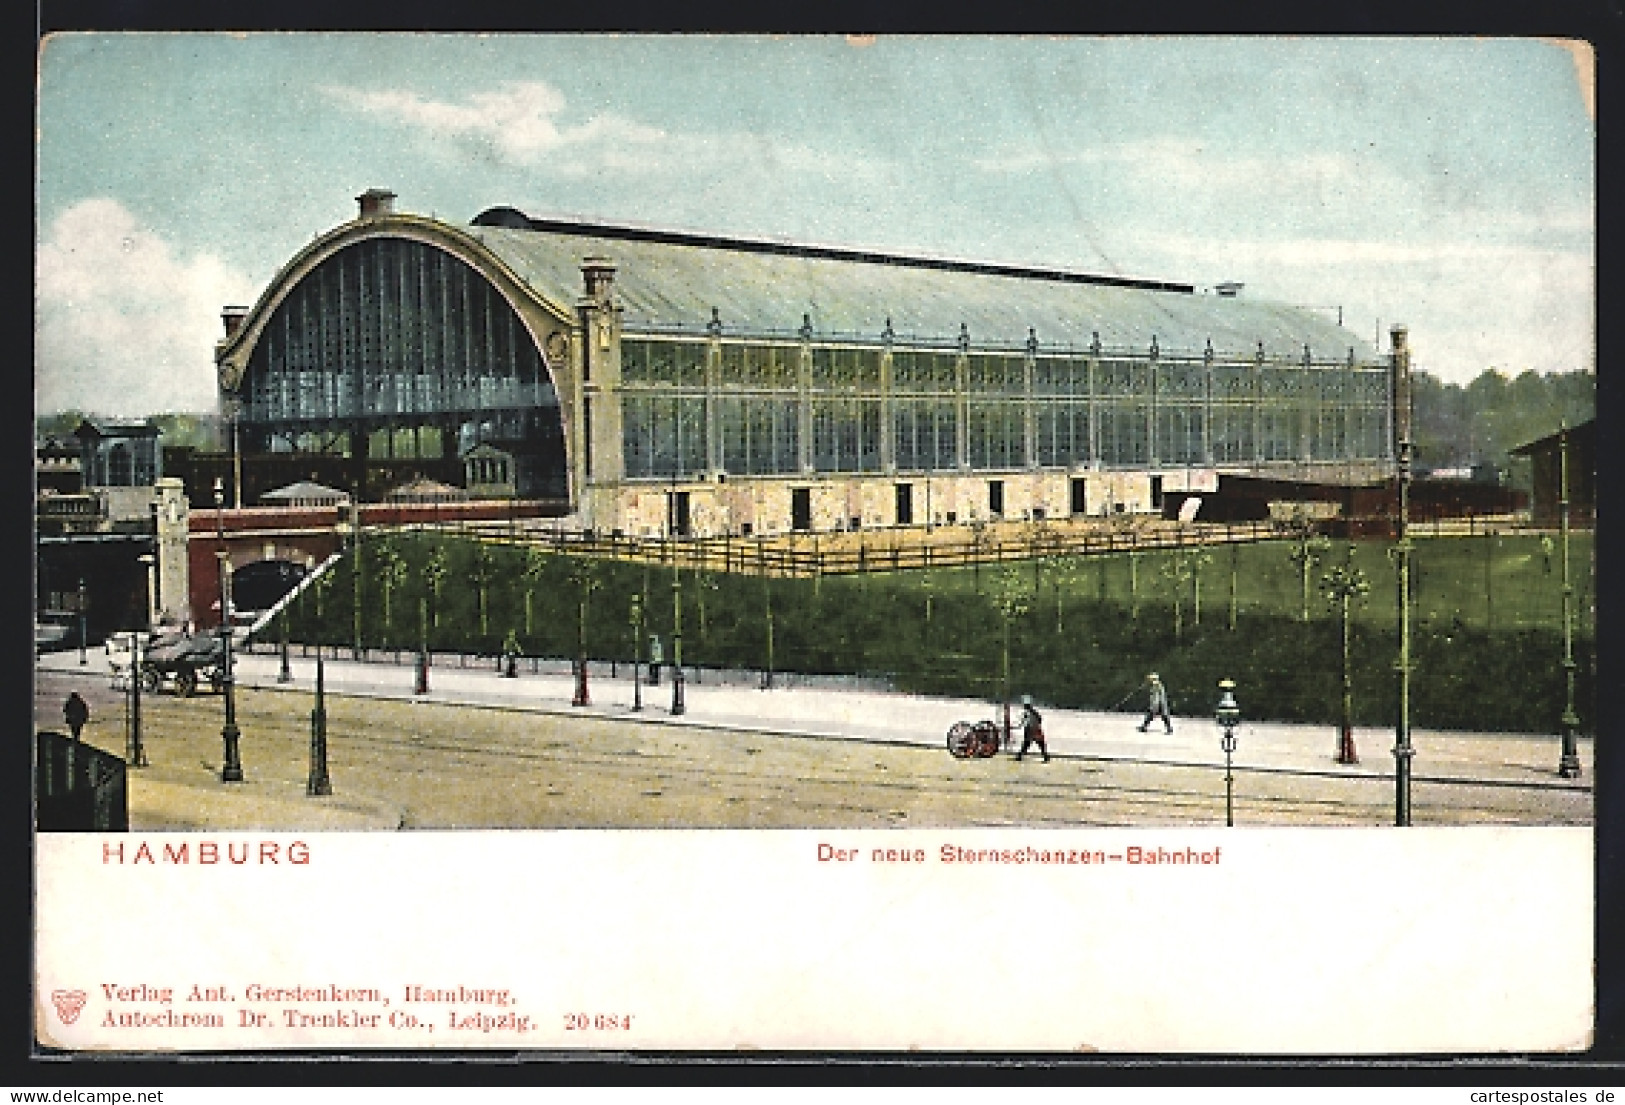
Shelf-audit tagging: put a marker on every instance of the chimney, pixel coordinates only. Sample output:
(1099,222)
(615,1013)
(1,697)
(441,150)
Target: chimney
(233,317)
(376,203)
(599,275)
(1401,362)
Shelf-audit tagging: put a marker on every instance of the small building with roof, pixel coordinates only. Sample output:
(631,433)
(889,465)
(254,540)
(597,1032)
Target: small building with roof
(1569,454)
(305,493)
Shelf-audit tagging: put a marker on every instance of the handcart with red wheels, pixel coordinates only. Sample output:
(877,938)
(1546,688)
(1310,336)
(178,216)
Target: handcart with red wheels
(977,740)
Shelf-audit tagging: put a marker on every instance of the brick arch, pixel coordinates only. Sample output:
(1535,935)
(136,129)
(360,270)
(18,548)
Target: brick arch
(246,550)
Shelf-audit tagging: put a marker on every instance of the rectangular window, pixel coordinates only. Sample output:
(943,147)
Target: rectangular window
(995,497)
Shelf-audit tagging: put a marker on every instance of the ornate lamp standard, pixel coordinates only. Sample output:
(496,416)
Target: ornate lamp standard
(637,651)
(1568,766)
(1403,751)
(1227,713)
(355,569)
(79,605)
(767,599)
(232,771)
(585,582)
(285,673)
(135,753)
(1012,604)
(318,783)
(1342,583)
(677,704)
(434,574)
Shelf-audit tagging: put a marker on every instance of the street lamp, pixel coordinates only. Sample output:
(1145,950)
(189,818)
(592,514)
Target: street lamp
(767,596)
(318,783)
(151,562)
(1227,713)
(355,569)
(232,771)
(1012,603)
(637,651)
(1404,751)
(1568,766)
(585,583)
(677,705)
(80,606)
(1341,584)
(135,753)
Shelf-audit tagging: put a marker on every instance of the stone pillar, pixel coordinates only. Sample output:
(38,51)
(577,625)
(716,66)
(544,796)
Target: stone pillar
(172,601)
(1207,404)
(804,417)
(713,387)
(1029,414)
(1258,406)
(1092,383)
(1152,362)
(962,402)
(597,461)
(888,443)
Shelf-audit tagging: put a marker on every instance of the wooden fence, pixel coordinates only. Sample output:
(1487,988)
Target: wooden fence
(810,555)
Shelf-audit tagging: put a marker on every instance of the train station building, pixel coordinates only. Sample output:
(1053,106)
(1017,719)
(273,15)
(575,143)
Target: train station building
(648,381)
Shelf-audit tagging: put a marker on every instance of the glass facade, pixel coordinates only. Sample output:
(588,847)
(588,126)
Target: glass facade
(387,336)
(871,409)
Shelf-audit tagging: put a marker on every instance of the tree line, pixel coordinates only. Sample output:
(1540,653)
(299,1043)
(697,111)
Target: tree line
(1482,421)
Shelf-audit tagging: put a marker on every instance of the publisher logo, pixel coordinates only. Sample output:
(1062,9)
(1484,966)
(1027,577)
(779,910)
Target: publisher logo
(69,1003)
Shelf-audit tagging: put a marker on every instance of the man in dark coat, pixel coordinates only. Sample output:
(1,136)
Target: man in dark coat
(1032,728)
(75,712)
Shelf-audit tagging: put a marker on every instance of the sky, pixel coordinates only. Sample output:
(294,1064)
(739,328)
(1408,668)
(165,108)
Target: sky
(1447,185)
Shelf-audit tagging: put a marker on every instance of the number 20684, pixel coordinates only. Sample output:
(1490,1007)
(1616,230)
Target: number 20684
(597,1022)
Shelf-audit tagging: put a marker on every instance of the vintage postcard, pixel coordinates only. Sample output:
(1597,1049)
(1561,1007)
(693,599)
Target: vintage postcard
(669,543)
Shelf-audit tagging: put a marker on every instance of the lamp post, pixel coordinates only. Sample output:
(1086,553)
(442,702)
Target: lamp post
(79,605)
(584,581)
(767,595)
(285,673)
(636,619)
(355,570)
(420,684)
(318,783)
(1012,604)
(151,563)
(1568,766)
(677,704)
(1341,584)
(1227,713)
(1403,751)
(232,771)
(135,753)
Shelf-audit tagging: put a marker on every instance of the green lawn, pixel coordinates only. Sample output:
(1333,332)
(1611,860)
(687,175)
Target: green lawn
(1082,632)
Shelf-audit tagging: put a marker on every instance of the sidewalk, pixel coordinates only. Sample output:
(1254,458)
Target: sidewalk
(836,712)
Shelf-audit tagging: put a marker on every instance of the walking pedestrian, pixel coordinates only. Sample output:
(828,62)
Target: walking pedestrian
(1032,728)
(1156,703)
(75,712)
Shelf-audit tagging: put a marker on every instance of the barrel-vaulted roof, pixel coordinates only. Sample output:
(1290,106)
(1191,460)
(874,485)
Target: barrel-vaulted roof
(673,280)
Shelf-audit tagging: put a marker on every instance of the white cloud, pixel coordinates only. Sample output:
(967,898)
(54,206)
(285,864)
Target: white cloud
(518,121)
(126,325)
(525,124)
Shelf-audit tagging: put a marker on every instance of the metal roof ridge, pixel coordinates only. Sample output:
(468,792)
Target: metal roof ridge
(786,247)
